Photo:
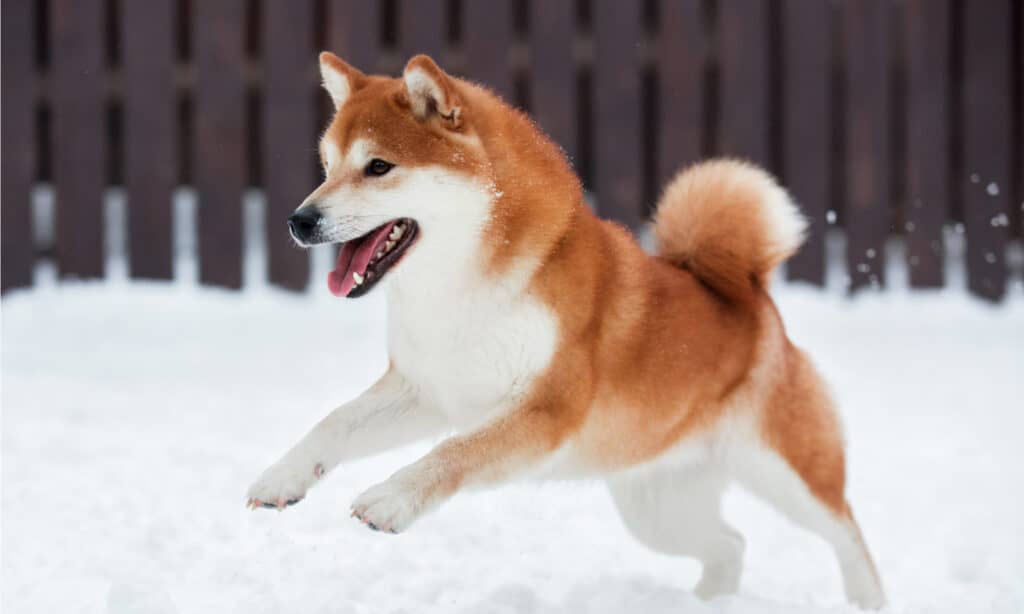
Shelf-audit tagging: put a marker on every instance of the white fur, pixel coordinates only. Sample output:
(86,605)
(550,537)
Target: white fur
(332,156)
(767,475)
(336,84)
(471,342)
(422,90)
(785,226)
(672,505)
(388,414)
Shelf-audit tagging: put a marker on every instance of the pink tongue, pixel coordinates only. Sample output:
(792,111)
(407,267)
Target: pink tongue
(353,258)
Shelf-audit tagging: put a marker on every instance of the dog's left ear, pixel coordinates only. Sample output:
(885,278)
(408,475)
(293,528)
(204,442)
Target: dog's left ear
(431,91)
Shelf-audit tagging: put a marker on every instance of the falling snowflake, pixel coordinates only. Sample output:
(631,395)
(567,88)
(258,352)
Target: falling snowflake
(992,189)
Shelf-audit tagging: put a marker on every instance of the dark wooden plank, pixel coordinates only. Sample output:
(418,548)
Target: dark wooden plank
(743,77)
(552,75)
(219,159)
(987,95)
(487,38)
(79,140)
(1019,201)
(353,30)
(928,43)
(807,125)
(147,55)
(867,52)
(617,128)
(289,143)
(16,121)
(680,56)
(421,28)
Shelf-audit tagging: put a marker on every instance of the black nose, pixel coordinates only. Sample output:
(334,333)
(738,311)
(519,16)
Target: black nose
(303,222)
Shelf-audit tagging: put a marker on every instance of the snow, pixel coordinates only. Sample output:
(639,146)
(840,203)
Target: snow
(135,415)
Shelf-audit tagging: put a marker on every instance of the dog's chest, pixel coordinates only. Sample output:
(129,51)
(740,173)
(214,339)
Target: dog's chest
(473,354)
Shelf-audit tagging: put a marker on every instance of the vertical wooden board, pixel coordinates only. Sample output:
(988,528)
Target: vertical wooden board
(928,41)
(421,29)
(617,129)
(353,29)
(807,126)
(553,72)
(986,108)
(867,52)
(1019,202)
(743,76)
(219,158)
(79,143)
(289,143)
(148,97)
(16,121)
(487,38)
(679,61)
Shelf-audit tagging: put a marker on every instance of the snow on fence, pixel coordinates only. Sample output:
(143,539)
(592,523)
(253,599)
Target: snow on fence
(882,116)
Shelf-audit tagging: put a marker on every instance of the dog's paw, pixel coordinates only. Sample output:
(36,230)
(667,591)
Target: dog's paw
(390,506)
(283,484)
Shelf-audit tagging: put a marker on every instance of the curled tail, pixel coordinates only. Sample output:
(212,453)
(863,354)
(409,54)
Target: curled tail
(730,224)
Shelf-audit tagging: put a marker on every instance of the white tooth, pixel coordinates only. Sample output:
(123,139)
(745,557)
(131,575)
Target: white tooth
(389,245)
(379,254)
(395,233)
(356,276)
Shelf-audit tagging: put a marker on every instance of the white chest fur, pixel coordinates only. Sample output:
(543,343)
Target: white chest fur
(471,343)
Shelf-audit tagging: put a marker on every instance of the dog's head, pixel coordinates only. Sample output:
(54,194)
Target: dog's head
(400,159)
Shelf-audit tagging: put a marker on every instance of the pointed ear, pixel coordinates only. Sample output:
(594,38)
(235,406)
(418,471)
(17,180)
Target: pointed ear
(432,91)
(339,79)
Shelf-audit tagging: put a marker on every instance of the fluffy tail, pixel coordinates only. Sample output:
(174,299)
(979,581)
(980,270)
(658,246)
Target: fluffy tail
(730,224)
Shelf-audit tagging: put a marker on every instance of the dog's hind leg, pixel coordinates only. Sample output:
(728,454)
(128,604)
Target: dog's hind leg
(389,414)
(678,511)
(768,475)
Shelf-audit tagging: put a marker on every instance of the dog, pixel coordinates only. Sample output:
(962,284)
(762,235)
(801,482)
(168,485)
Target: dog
(550,343)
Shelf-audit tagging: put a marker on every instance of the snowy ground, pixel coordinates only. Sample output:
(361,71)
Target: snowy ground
(135,416)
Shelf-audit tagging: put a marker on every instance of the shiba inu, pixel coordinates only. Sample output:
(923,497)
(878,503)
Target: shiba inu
(550,343)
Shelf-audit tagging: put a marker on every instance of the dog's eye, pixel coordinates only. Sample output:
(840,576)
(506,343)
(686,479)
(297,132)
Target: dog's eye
(378,167)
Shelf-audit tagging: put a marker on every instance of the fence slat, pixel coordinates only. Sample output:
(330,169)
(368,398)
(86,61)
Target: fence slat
(18,146)
(147,44)
(987,92)
(487,36)
(680,55)
(868,153)
(553,73)
(289,144)
(806,125)
(76,34)
(219,160)
(616,93)
(422,28)
(743,80)
(353,30)
(928,40)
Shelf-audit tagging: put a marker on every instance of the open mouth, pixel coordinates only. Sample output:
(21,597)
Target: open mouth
(363,261)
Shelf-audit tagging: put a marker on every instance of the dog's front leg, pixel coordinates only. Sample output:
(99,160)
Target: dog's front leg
(387,415)
(496,452)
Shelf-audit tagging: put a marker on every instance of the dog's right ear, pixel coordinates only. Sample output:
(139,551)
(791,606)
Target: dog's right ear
(339,79)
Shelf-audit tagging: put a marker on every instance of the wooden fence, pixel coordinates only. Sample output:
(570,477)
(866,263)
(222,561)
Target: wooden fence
(882,116)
